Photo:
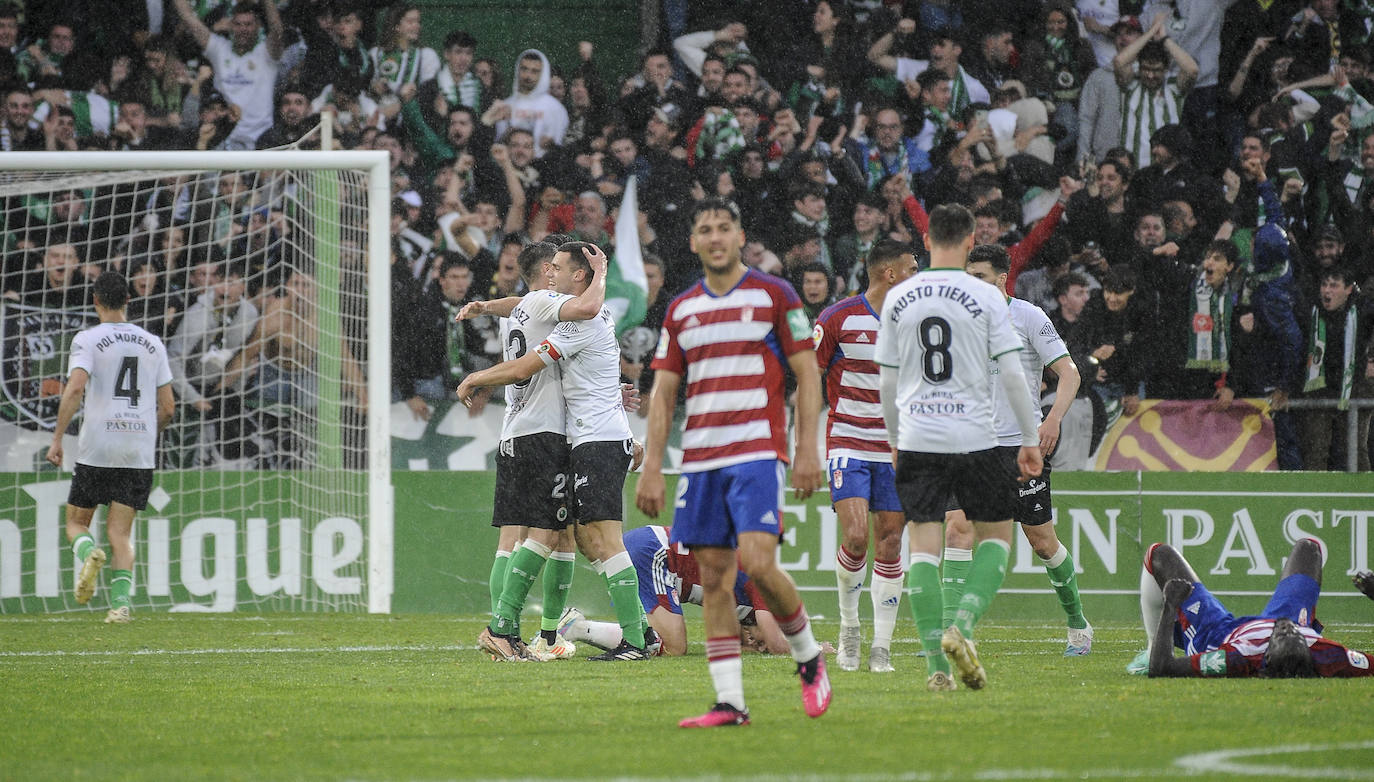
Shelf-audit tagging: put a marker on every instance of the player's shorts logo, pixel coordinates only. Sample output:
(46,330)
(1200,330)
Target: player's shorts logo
(838,477)
(562,514)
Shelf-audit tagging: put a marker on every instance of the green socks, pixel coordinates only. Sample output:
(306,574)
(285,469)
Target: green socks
(558,576)
(525,565)
(121,583)
(496,584)
(83,546)
(1060,567)
(623,586)
(954,576)
(985,576)
(926,601)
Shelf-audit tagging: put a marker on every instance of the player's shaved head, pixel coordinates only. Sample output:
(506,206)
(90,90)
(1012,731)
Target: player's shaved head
(950,225)
(111,291)
(1288,656)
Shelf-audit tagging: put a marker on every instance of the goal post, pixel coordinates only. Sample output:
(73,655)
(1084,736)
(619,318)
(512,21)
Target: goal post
(275,493)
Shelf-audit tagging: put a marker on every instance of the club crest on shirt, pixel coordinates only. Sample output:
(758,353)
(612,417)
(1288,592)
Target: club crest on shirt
(746,314)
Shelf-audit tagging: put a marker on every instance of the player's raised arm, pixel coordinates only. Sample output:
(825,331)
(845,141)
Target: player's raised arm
(588,304)
(650,491)
(506,372)
(501,308)
(1162,660)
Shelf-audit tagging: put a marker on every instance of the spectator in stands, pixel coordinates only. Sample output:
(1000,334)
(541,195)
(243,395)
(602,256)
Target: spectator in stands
(1197,317)
(652,87)
(164,81)
(435,351)
(1152,99)
(457,84)
(809,209)
(1117,327)
(1099,106)
(19,133)
(1070,293)
(851,249)
(399,59)
(245,68)
(945,51)
(1339,367)
(530,106)
(45,59)
(889,150)
(814,284)
(60,281)
(507,280)
(294,120)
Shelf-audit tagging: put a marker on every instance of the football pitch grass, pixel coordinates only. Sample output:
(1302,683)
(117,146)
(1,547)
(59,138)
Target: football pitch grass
(343,697)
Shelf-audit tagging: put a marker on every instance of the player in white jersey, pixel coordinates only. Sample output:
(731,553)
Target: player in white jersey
(862,481)
(531,463)
(936,334)
(130,401)
(1042,348)
(588,357)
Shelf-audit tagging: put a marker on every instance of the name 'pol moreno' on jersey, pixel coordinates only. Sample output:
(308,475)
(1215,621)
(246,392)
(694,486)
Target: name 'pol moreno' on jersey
(120,336)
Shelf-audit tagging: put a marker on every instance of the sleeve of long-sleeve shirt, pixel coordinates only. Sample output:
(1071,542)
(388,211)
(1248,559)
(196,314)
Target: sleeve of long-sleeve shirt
(1024,250)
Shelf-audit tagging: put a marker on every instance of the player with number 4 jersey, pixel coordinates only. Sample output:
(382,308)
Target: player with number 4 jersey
(123,375)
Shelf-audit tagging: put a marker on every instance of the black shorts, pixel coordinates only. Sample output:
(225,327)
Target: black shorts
(532,482)
(92,486)
(1033,506)
(978,482)
(598,485)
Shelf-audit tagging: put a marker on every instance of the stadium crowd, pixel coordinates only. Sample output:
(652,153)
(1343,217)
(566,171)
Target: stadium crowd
(1183,186)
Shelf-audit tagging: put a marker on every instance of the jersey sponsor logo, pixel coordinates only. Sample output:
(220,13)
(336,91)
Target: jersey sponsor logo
(796,321)
(1212,663)
(125,427)
(34,345)
(1357,659)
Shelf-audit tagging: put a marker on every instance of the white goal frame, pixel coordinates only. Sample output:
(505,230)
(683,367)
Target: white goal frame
(381,503)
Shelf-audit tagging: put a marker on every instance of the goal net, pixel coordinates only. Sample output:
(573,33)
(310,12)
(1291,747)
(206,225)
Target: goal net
(273,484)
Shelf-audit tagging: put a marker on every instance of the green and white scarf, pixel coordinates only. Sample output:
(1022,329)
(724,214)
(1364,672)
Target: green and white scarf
(467,91)
(1316,355)
(878,170)
(1210,320)
(398,68)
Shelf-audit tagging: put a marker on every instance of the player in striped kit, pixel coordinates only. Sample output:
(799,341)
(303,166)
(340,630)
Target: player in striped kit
(129,402)
(937,332)
(1041,348)
(859,459)
(1284,641)
(729,335)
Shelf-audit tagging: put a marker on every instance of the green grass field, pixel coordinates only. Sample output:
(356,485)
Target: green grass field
(336,697)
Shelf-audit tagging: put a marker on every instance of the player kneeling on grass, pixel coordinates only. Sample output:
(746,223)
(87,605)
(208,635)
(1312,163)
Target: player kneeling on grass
(1282,642)
(130,401)
(668,577)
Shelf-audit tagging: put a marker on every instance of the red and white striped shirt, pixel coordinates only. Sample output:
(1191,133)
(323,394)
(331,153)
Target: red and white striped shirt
(732,350)
(845,336)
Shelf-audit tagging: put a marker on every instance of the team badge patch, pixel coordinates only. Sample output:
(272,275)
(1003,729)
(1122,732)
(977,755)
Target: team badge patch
(837,477)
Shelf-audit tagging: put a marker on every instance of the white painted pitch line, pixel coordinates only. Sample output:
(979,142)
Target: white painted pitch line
(257,650)
(1227,761)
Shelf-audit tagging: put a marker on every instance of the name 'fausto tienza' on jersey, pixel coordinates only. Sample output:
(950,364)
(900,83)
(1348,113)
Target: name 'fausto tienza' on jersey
(939,329)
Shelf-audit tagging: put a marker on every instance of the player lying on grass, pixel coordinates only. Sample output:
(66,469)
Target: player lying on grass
(1284,641)
(668,577)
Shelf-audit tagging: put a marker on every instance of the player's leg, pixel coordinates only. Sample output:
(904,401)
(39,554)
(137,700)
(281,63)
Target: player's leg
(119,523)
(887,585)
(83,545)
(958,557)
(558,576)
(1162,563)
(508,538)
(602,540)
(923,486)
(851,562)
(926,600)
(1305,558)
(716,566)
(754,496)
(526,563)
(1035,513)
